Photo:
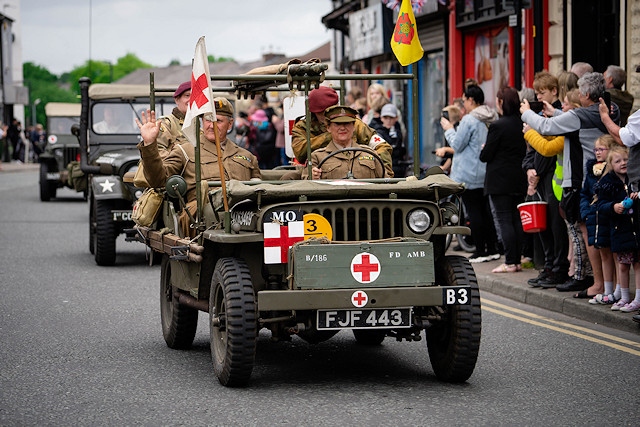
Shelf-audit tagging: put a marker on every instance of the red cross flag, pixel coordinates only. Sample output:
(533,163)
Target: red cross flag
(279,238)
(365,267)
(201,99)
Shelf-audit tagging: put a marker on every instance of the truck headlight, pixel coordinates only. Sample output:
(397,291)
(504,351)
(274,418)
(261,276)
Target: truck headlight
(419,220)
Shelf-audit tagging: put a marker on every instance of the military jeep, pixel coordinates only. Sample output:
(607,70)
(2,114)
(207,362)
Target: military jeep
(60,151)
(312,258)
(109,158)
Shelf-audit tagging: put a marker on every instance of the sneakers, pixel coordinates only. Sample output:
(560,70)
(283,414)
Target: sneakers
(618,305)
(543,275)
(476,258)
(603,299)
(553,280)
(631,307)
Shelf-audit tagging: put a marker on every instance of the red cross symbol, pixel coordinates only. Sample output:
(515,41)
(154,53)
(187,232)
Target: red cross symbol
(369,264)
(359,299)
(197,91)
(283,239)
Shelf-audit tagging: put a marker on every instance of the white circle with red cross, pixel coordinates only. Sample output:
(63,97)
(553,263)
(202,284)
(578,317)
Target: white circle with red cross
(52,139)
(359,299)
(365,267)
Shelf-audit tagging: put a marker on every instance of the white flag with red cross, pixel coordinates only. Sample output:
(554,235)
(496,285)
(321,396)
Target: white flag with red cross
(278,238)
(201,99)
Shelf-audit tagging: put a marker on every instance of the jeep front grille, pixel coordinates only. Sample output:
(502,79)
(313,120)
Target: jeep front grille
(363,222)
(364,219)
(70,154)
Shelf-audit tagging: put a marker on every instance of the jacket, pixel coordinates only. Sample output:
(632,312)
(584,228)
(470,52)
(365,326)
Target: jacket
(320,137)
(238,163)
(585,120)
(171,131)
(362,163)
(611,190)
(597,222)
(467,141)
(503,153)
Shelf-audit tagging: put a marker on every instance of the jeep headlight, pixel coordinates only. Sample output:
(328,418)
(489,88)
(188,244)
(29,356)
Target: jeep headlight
(419,220)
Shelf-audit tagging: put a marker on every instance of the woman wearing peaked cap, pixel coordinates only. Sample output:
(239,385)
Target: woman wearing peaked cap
(349,164)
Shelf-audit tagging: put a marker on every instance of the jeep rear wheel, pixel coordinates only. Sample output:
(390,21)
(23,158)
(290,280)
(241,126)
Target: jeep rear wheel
(47,188)
(179,322)
(105,234)
(232,322)
(454,342)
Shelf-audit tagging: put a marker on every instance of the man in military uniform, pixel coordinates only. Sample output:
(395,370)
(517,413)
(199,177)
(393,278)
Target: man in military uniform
(319,100)
(171,125)
(238,163)
(348,164)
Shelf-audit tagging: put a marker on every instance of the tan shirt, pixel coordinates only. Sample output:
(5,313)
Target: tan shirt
(362,164)
(239,164)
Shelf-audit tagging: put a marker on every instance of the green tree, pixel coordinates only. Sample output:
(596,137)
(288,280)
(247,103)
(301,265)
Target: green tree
(45,86)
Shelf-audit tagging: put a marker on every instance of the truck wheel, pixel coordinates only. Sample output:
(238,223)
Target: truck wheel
(92,226)
(454,341)
(105,234)
(232,322)
(47,189)
(368,336)
(179,322)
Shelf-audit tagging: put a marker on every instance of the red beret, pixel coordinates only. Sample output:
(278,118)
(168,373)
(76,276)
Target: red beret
(182,89)
(322,98)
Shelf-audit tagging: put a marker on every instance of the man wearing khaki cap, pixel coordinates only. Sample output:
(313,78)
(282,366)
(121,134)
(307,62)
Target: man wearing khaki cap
(362,164)
(319,100)
(238,163)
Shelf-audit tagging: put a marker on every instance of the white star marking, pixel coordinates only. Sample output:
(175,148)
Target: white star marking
(107,186)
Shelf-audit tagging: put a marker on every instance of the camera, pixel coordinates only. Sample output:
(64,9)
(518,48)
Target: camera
(607,99)
(445,114)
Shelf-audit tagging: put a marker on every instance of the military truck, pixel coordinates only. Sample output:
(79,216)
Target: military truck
(109,158)
(60,151)
(312,258)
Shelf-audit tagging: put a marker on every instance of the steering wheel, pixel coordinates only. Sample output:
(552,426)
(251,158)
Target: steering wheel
(361,148)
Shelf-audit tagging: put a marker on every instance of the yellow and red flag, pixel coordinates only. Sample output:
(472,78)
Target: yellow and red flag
(201,99)
(405,42)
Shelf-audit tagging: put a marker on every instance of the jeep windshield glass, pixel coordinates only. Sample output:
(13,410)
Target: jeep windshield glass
(61,125)
(113,118)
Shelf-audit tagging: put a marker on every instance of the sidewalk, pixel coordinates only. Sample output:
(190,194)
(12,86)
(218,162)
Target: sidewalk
(18,167)
(514,286)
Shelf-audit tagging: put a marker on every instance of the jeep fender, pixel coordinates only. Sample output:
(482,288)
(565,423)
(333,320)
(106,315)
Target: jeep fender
(107,187)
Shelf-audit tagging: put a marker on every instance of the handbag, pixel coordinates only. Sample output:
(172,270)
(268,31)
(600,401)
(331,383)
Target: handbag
(139,180)
(570,205)
(146,208)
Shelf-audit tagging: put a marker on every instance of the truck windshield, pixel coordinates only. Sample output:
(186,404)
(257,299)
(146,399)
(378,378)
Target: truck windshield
(119,118)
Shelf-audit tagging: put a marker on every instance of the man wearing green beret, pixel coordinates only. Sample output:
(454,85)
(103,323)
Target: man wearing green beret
(360,164)
(319,100)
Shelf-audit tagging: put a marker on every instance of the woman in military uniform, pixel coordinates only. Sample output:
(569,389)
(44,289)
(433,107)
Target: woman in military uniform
(349,164)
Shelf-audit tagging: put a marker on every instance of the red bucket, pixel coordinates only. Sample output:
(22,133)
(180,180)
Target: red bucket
(533,216)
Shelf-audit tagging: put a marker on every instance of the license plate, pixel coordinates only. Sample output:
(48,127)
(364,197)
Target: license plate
(119,216)
(364,318)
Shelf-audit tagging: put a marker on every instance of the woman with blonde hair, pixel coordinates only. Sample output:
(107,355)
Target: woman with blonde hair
(376,95)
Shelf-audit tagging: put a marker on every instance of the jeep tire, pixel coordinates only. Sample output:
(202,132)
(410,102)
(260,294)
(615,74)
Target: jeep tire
(454,342)
(179,322)
(47,188)
(232,322)
(105,234)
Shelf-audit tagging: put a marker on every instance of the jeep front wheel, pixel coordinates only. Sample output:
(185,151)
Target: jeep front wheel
(454,341)
(232,322)
(179,322)
(105,234)
(47,188)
